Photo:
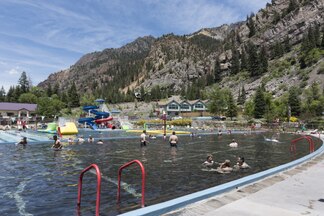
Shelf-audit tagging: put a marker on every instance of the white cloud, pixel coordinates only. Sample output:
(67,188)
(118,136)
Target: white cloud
(14,71)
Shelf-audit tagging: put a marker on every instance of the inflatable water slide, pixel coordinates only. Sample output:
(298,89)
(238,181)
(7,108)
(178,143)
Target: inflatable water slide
(69,128)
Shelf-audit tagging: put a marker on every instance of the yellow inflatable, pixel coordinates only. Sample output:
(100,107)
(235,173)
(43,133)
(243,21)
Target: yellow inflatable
(69,129)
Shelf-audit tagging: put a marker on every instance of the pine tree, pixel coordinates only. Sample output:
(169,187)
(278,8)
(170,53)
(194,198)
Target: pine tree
(242,98)
(263,60)
(253,61)
(74,100)
(244,64)
(217,72)
(2,94)
(259,103)
(17,93)
(287,45)
(317,35)
(10,94)
(322,43)
(311,38)
(278,50)
(142,91)
(23,82)
(209,79)
(235,68)
(292,6)
(231,106)
(56,89)
(251,25)
(294,101)
(49,90)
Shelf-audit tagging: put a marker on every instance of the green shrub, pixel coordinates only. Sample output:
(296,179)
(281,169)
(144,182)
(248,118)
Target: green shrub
(321,68)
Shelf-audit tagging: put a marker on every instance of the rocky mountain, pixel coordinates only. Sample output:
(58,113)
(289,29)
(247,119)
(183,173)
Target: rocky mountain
(175,63)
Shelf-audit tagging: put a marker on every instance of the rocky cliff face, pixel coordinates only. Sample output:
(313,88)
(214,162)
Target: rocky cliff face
(176,61)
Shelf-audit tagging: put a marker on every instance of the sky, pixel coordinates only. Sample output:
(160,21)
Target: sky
(41,37)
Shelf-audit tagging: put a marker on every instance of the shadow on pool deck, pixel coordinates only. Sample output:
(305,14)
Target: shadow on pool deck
(297,191)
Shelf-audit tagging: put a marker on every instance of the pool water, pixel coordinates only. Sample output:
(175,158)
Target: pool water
(39,181)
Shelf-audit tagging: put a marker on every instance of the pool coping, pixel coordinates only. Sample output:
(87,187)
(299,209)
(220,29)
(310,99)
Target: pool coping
(171,205)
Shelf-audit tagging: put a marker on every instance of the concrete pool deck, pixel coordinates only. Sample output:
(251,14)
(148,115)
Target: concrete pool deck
(296,191)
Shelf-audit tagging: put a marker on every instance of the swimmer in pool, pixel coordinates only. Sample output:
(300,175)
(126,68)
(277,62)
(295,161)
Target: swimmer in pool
(70,140)
(209,162)
(241,163)
(226,166)
(23,141)
(90,139)
(233,144)
(100,142)
(143,138)
(80,139)
(57,143)
(173,139)
(152,137)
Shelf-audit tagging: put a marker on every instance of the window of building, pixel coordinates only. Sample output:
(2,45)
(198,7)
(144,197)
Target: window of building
(199,106)
(173,106)
(185,106)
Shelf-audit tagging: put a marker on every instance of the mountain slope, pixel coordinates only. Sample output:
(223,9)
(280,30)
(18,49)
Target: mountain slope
(176,63)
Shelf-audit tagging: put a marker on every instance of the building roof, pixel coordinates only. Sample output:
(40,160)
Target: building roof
(191,102)
(17,106)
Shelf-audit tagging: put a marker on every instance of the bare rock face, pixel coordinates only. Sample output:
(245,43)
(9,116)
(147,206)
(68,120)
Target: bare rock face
(293,24)
(174,62)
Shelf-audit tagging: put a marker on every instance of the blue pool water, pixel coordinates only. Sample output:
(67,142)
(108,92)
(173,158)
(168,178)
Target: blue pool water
(39,181)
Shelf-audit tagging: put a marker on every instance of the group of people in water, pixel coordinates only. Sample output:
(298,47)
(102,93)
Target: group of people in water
(225,167)
(173,139)
(57,145)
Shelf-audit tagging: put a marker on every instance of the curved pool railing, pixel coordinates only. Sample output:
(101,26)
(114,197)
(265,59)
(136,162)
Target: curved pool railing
(309,140)
(143,180)
(177,203)
(94,166)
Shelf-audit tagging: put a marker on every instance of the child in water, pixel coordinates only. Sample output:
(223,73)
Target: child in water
(57,143)
(23,141)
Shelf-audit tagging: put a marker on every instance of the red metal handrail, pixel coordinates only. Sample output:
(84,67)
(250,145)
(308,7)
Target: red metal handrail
(98,186)
(312,145)
(310,142)
(143,179)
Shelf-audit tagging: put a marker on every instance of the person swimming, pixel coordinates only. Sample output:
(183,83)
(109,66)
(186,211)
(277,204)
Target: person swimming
(241,163)
(100,142)
(57,143)
(226,166)
(152,137)
(209,162)
(23,141)
(233,144)
(80,139)
(90,139)
(173,139)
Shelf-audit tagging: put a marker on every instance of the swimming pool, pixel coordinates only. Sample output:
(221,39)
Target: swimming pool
(39,181)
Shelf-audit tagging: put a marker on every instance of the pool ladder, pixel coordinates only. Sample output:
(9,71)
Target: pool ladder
(98,173)
(309,140)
